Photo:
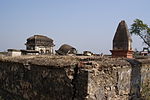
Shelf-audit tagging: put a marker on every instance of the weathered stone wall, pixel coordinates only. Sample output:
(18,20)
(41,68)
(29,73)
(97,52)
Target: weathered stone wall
(124,80)
(89,79)
(34,82)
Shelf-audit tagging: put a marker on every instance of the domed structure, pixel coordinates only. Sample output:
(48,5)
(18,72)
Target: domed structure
(66,49)
(40,43)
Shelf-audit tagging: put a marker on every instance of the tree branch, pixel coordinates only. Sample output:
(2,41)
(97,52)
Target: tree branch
(144,40)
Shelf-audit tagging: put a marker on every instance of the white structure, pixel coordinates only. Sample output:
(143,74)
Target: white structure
(14,52)
(40,43)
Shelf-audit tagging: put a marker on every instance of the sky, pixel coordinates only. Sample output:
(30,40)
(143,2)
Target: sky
(84,24)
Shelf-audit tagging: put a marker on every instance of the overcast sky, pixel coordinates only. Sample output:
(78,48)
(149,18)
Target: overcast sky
(84,24)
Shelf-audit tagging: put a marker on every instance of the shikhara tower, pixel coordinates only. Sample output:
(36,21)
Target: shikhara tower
(122,42)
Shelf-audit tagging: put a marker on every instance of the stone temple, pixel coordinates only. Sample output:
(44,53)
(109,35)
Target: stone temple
(40,43)
(122,42)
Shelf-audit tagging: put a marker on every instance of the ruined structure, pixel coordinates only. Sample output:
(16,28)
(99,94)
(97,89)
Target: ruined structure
(122,42)
(66,49)
(65,78)
(40,43)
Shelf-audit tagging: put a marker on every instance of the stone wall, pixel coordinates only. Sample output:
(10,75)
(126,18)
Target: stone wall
(124,79)
(35,82)
(86,79)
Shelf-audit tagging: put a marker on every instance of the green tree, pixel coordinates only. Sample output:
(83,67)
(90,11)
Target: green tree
(142,30)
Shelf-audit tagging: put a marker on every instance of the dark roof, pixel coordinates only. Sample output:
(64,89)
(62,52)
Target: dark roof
(66,49)
(122,33)
(39,37)
(29,51)
(122,36)
(40,40)
(13,50)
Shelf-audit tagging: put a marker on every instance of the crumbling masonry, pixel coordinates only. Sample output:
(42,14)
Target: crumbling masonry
(73,78)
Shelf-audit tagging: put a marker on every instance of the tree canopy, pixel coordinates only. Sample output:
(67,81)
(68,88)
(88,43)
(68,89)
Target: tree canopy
(142,30)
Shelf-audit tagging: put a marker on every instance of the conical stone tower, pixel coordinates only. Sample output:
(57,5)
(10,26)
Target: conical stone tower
(122,42)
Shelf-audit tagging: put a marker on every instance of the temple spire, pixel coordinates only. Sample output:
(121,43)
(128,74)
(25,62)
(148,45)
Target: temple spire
(122,42)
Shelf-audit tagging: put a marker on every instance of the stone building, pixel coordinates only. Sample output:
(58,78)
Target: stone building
(40,43)
(66,49)
(122,42)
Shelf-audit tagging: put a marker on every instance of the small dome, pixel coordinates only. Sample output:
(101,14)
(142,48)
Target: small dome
(66,49)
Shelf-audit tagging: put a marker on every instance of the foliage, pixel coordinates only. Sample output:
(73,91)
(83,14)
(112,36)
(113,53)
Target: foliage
(142,30)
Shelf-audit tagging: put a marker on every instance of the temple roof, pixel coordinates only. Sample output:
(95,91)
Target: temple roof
(122,37)
(122,33)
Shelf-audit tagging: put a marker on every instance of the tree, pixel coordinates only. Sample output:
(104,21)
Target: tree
(142,30)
